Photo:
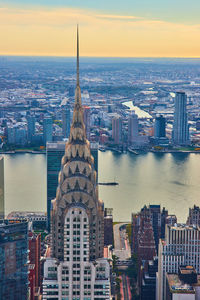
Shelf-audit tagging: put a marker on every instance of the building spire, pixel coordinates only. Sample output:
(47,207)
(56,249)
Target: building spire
(78,90)
(77,60)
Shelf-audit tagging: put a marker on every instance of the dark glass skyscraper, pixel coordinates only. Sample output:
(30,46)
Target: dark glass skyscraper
(13,260)
(31,127)
(180,128)
(47,129)
(65,121)
(159,127)
(54,154)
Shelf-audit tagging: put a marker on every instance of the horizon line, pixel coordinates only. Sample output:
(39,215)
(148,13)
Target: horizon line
(93,56)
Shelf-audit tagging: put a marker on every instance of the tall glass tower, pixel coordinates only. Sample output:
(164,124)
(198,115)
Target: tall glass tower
(180,128)
(47,129)
(13,259)
(31,127)
(77,269)
(54,154)
(65,121)
(159,127)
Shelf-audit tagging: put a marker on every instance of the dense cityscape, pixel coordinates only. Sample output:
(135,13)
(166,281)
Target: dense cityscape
(36,101)
(75,250)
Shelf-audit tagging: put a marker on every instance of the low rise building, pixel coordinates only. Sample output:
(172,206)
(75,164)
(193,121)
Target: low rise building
(183,286)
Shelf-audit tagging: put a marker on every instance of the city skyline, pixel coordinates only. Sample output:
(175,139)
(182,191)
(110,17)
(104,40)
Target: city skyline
(149,29)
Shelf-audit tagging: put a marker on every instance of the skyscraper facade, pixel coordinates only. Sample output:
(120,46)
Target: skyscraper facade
(194,216)
(159,127)
(13,260)
(47,129)
(10,134)
(76,269)
(2,187)
(31,127)
(34,243)
(54,154)
(65,121)
(180,127)
(132,128)
(117,130)
(180,247)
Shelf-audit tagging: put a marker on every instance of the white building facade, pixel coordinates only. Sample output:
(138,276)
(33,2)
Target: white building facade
(180,247)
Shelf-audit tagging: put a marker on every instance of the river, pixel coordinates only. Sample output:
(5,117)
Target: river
(169,179)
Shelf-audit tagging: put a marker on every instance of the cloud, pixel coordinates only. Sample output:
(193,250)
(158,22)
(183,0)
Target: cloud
(118,17)
(45,31)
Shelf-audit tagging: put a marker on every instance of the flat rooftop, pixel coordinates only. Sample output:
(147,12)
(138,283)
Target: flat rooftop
(178,286)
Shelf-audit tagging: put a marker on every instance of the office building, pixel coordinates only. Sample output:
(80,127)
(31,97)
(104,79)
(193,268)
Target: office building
(47,129)
(159,127)
(185,285)
(20,136)
(132,128)
(31,128)
(13,260)
(34,245)
(86,119)
(36,220)
(180,247)
(76,268)
(156,218)
(108,227)
(143,240)
(180,127)
(148,284)
(117,130)
(54,154)
(194,216)
(11,135)
(2,194)
(65,121)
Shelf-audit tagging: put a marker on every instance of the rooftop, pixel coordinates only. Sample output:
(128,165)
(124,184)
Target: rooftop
(181,226)
(178,286)
(25,214)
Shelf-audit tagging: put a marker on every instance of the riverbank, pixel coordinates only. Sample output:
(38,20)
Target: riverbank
(23,152)
(109,149)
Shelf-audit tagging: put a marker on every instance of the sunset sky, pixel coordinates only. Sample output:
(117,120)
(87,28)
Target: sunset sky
(126,28)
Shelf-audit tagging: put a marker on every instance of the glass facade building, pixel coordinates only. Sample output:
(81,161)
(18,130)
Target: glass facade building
(180,127)
(47,129)
(13,260)
(159,127)
(54,154)
(66,121)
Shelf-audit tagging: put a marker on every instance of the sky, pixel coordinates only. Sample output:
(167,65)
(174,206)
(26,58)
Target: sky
(111,28)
